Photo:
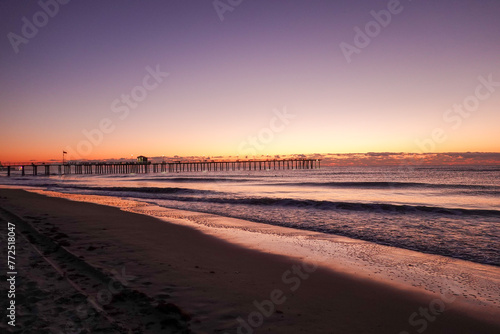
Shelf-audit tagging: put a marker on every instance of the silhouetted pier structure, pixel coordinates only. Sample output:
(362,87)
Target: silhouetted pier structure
(161,167)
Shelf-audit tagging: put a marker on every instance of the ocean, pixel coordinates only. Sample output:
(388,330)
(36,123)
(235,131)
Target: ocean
(453,211)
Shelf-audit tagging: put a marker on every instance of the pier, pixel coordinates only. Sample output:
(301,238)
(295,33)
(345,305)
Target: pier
(158,167)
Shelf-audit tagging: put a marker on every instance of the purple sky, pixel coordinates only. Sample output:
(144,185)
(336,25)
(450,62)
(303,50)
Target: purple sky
(228,79)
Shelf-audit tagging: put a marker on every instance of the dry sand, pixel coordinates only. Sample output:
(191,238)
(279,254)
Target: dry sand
(145,275)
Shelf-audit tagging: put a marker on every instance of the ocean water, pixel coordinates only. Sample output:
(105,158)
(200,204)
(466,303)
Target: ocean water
(445,210)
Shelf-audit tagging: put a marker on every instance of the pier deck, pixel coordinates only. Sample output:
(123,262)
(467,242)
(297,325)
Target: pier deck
(158,167)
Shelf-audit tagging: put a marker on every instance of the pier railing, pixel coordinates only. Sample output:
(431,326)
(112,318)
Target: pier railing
(158,167)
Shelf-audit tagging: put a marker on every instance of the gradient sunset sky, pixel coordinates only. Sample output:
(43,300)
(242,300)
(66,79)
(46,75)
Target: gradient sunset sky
(229,78)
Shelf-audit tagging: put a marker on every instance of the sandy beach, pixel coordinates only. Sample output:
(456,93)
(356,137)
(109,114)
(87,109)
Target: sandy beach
(88,268)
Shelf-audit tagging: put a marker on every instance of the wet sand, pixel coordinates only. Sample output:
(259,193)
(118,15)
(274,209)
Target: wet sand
(178,278)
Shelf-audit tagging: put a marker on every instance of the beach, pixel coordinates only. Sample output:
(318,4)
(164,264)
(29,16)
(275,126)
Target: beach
(189,281)
(244,167)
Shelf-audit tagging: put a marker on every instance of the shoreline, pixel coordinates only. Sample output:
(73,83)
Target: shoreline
(400,268)
(198,282)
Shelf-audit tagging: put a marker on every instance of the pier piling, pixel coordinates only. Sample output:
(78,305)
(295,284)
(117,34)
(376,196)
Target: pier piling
(170,167)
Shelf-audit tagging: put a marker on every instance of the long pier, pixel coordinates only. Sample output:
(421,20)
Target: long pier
(159,167)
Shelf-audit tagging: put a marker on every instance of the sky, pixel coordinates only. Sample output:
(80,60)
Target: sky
(118,79)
